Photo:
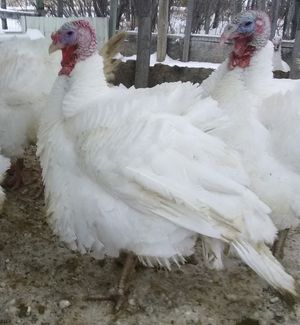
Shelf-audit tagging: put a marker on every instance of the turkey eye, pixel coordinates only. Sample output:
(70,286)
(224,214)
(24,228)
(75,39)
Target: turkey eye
(70,33)
(248,23)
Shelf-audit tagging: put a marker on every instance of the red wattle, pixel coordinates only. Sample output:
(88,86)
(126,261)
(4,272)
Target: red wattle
(68,60)
(241,54)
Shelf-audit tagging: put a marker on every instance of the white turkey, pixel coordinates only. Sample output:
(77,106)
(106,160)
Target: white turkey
(119,177)
(278,63)
(27,76)
(261,117)
(4,165)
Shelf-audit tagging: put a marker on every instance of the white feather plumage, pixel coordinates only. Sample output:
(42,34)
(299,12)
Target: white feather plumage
(27,75)
(119,176)
(278,63)
(256,131)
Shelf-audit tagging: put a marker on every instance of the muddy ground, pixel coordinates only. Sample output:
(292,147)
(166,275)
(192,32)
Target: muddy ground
(43,282)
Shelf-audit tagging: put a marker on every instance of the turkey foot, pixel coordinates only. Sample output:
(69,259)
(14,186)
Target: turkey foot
(119,294)
(279,243)
(15,179)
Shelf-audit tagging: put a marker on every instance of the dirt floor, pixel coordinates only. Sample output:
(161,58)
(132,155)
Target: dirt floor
(42,282)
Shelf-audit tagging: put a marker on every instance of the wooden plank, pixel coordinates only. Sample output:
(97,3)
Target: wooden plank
(113,17)
(60,8)
(162,31)
(4,21)
(295,69)
(188,31)
(144,43)
(40,8)
(14,14)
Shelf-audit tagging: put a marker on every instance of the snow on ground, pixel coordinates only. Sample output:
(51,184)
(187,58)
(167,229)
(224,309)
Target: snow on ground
(34,34)
(169,61)
(13,25)
(31,34)
(279,64)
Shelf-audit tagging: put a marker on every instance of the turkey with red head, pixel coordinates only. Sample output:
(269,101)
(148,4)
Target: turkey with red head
(262,117)
(121,176)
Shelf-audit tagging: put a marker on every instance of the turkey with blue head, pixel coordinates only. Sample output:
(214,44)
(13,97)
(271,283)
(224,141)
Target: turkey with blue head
(264,117)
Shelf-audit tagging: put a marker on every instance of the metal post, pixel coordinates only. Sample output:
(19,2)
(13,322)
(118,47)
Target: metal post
(188,31)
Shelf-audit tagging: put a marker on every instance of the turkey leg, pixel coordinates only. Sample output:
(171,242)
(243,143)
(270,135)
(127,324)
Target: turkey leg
(278,246)
(118,296)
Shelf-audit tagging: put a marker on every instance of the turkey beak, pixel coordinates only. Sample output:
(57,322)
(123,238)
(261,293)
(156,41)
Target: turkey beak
(55,45)
(229,33)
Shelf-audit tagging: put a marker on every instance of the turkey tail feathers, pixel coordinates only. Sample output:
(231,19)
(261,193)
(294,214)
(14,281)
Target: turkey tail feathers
(262,261)
(108,51)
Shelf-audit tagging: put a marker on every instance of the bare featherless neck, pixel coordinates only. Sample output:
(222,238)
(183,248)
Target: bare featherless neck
(241,54)
(69,59)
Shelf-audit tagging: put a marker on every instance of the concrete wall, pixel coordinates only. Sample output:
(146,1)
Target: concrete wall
(203,48)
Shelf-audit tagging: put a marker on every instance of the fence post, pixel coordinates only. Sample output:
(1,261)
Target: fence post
(113,17)
(143,43)
(4,21)
(40,8)
(274,17)
(188,31)
(60,8)
(295,68)
(162,30)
